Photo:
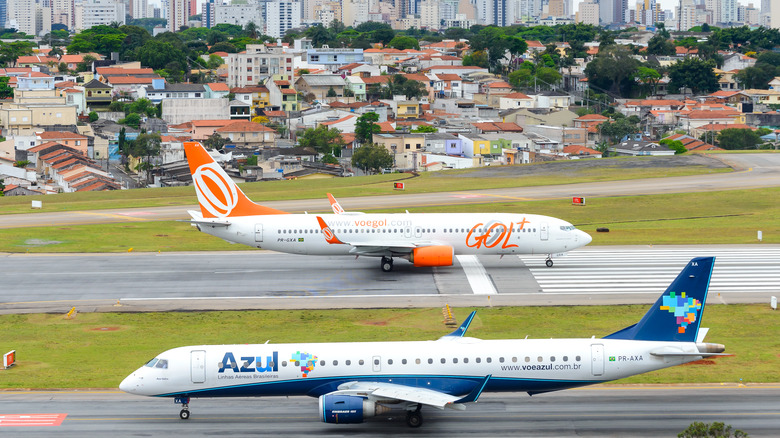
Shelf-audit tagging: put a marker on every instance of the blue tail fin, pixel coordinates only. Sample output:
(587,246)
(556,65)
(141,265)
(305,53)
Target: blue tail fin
(677,314)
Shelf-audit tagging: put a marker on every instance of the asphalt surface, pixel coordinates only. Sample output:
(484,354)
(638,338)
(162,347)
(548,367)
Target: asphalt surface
(134,282)
(752,171)
(604,410)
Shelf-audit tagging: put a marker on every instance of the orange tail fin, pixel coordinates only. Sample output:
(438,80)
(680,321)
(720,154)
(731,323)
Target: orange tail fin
(218,195)
(330,237)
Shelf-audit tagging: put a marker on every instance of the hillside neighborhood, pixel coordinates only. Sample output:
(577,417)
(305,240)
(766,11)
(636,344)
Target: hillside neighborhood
(297,107)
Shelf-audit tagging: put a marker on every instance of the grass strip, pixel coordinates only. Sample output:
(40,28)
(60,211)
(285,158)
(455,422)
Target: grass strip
(726,217)
(97,350)
(341,187)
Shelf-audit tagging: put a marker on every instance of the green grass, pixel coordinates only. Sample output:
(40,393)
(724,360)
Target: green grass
(97,350)
(340,187)
(727,217)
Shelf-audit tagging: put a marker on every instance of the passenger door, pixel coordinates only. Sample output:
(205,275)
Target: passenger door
(198,366)
(597,359)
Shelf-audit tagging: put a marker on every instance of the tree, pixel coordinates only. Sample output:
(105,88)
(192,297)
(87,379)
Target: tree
(477,58)
(132,120)
(223,46)
(548,75)
(157,54)
(331,92)
(366,127)
(93,116)
(693,73)
(414,89)
(372,158)
(613,69)
(251,30)
(661,46)
(647,75)
(616,130)
(10,52)
(146,146)
(322,139)
(426,129)
(717,429)
(675,145)
(215,141)
(5,91)
(733,138)
(402,42)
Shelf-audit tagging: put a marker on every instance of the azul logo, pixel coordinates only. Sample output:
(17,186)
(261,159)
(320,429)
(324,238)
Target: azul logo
(684,309)
(249,364)
(491,234)
(215,193)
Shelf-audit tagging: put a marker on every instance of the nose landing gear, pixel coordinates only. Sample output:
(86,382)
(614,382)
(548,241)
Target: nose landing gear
(184,414)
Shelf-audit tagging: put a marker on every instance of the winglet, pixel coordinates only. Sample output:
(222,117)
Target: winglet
(334,204)
(460,331)
(476,392)
(330,237)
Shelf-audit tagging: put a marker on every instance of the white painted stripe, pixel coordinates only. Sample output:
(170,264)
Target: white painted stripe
(476,275)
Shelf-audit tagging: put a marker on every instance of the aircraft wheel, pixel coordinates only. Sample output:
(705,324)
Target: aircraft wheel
(549,263)
(184,414)
(387,264)
(414,419)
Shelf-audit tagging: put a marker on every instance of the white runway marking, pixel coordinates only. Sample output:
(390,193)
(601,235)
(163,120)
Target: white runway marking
(476,275)
(609,271)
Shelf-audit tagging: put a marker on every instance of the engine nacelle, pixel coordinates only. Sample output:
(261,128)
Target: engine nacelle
(347,409)
(428,256)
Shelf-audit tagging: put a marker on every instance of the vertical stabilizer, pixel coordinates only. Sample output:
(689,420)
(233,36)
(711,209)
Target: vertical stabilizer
(218,195)
(677,313)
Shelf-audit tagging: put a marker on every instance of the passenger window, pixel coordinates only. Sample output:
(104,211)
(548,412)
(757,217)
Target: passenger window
(417,361)
(465,360)
(284,363)
(376,361)
(578,358)
(389,361)
(360,362)
(322,363)
(348,362)
(552,358)
(489,360)
(501,359)
(430,361)
(403,361)
(514,359)
(565,358)
(443,360)
(527,359)
(335,362)
(455,360)
(479,360)
(297,363)
(539,359)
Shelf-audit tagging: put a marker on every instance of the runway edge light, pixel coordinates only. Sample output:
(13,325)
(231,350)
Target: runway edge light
(773,303)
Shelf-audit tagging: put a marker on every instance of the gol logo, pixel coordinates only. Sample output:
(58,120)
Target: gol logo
(328,234)
(215,193)
(491,234)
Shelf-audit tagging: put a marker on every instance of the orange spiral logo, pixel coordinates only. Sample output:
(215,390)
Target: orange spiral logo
(216,192)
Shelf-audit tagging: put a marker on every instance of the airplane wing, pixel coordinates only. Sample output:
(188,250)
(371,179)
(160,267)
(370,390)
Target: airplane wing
(389,392)
(377,248)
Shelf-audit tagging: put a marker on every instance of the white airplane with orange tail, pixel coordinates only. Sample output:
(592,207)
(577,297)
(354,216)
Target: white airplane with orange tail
(425,239)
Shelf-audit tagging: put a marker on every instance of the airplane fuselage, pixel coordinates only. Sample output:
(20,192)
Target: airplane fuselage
(466,233)
(452,366)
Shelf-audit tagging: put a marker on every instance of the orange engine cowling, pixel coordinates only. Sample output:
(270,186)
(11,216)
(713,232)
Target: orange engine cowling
(428,256)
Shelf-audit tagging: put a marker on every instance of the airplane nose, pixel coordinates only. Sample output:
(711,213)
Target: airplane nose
(129,384)
(585,237)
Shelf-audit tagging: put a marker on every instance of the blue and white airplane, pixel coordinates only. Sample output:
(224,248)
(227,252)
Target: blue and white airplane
(425,239)
(357,380)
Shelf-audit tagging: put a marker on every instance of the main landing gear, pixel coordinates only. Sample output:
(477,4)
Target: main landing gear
(184,414)
(387,264)
(414,418)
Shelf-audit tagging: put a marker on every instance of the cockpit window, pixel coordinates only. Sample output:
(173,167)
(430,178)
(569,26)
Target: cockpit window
(567,228)
(162,363)
(151,363)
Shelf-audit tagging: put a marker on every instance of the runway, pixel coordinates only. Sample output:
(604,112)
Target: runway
(603,410)
(267,280)
(759,170)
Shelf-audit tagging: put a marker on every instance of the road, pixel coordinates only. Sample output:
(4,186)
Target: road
(604,410)
(753,171)
(263,279)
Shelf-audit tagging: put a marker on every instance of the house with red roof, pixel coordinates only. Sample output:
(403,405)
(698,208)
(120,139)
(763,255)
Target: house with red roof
(576,152)
(203,129)
(248,134)
(72,140)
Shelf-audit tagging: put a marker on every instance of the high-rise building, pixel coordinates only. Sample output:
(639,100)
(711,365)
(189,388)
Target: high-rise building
(139,9)
(21,16)
(556,8)
(282,16)
(588,13)
(90,13)
(178,14)
(774,16)
(728,12)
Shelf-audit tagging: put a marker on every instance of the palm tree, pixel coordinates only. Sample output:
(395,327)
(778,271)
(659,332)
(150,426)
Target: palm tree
(251,30)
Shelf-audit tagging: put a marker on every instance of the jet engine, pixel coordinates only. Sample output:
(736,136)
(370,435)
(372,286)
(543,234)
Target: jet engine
(427,256)
(347,409)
